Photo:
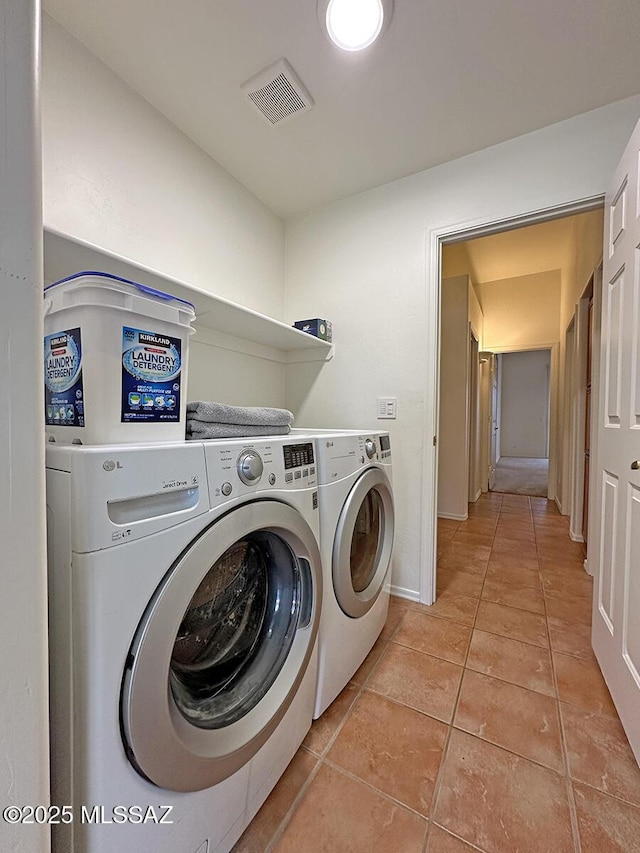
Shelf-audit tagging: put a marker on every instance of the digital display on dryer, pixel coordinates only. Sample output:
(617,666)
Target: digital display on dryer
(296,455)
(385,442)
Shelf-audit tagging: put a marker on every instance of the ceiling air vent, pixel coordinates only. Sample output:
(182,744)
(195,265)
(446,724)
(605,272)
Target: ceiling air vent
(277,93)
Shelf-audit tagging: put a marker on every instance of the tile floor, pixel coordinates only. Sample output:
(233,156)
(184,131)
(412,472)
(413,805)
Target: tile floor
(481,723)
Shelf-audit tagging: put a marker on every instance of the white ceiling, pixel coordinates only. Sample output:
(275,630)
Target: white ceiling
(446,79)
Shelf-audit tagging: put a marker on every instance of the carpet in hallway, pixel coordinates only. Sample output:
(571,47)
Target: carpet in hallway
(518,475)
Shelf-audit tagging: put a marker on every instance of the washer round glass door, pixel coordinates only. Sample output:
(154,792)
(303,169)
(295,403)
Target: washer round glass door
(222,647)
(363,543)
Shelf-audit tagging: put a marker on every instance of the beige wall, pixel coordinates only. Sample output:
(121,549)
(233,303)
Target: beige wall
(521,312)
(476,317)
(524,409)
(452,433)
(587,253)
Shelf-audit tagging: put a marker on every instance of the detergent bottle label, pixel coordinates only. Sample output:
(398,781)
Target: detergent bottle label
(151,371)
(63,389)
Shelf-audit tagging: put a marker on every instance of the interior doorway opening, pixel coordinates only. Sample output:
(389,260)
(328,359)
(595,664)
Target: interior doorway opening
(504,303)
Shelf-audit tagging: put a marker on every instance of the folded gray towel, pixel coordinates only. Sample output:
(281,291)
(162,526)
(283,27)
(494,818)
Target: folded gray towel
(200,430)
(220,413)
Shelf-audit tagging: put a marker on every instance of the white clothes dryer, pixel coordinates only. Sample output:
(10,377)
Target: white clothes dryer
(356,540)
(185,590)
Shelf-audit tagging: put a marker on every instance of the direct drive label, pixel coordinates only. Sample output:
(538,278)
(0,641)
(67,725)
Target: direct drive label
(151,365)
(63,390)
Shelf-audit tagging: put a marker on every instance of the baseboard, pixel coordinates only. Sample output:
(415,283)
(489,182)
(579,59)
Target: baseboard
(586,567)
(453,517)
(401,592)
(558,504)
(576,537)
(478,496)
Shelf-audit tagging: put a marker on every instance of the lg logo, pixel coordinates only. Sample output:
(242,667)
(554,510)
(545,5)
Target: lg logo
(110,465)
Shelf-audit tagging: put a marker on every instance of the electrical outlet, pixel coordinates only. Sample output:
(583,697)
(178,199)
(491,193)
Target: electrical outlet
(387,407)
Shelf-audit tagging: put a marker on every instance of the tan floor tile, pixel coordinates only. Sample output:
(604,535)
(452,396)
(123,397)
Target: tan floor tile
(515,561)
(557,585)
(446,527)
(557,537)
(599,753)
(580,682)
(521,501)
(509,716)
(395,615)
(442,548)
(515,514)
(418,680)
(560,551)
(339,813)
(519,532)
(605,824)
(564,566)
(511,622)
(483,526)
(551,521)
(369,663)
(508,574)
(569,608)
(450,605)
(500,802)
(544,505)
(453,560)
(465,537)
(513,595)
(462,583)
(473,550)
(394,748)
(324,728)
(487,512)
(447,640)
(513,546)
(399,601)
(472,558)
(441,841)
(570,638)
(510,660)
(262,828)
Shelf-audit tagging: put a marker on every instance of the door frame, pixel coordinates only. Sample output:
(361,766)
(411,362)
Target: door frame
(578,404)
(436,238)
(474,426)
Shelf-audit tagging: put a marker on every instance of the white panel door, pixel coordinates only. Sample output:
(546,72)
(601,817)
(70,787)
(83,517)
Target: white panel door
(616,612)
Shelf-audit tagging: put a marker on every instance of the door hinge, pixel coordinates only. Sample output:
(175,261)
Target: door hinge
(435,440)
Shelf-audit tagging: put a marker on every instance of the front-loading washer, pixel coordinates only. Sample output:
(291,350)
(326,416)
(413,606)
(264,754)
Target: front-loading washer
(185,588)
(357,523)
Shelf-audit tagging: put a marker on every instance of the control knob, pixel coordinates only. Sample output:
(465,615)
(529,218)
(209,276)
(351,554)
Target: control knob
(250,467)
(370,447)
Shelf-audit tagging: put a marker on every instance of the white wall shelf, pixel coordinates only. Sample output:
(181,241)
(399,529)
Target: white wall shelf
(235,326)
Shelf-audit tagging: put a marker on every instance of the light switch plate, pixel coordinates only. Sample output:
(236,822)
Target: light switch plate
(387,407)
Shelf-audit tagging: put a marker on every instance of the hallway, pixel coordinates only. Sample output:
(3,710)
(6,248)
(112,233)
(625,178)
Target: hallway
(481,723)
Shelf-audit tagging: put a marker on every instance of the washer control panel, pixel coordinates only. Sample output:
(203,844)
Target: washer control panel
(250,467)
(236,468)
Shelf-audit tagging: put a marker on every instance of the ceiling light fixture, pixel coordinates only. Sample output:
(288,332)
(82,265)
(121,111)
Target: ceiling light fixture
(354,24)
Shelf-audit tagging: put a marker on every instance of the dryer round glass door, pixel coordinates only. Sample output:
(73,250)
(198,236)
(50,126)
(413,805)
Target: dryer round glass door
(363,543)
(222,647)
